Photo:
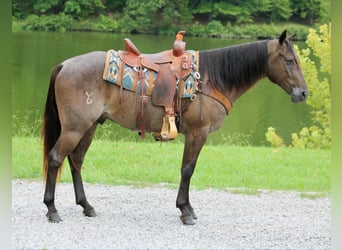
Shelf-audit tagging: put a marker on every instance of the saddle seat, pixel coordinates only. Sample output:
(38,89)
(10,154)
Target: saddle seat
(172,66)
(134,57)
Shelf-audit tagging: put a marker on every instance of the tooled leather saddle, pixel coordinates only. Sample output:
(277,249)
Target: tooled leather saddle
(172,66)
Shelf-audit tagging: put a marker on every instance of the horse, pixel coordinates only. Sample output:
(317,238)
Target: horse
(79,99)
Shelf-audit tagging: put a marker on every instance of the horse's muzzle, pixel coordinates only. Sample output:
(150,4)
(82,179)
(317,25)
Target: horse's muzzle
(299,94)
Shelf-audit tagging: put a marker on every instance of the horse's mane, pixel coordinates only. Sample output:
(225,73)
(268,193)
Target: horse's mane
(235,66)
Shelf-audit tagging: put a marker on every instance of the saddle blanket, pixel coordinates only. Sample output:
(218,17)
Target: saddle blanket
(130,80)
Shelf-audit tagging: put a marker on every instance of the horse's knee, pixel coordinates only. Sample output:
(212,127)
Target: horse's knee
(187,171)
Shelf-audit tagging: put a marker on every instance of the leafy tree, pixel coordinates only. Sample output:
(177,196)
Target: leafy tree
(312,10)
(151,15)
(176,13)
(225,10)
(318,135)
(82,8)
(46,6)
(22,8)
(114,5)
(280,10)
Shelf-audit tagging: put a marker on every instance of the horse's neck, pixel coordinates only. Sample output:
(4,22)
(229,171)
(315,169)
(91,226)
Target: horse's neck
(253,77)
(234,94)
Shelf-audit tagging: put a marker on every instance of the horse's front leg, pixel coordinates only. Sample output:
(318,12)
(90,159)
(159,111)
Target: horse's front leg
(194,141)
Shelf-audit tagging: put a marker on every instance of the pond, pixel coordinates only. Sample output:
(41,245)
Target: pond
(35,54)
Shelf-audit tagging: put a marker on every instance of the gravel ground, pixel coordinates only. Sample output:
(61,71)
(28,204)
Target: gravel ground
(146,218)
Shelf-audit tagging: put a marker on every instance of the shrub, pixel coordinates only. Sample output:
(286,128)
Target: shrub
(214,28)
(107,24)
(196,29)
(59,22)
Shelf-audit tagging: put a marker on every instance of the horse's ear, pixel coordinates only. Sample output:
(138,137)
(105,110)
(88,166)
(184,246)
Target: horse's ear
(291,37)
(282,37)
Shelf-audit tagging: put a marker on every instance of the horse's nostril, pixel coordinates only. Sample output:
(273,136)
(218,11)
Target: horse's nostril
(304,93)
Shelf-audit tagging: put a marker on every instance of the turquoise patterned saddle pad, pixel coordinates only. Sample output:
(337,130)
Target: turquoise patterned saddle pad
(129,79)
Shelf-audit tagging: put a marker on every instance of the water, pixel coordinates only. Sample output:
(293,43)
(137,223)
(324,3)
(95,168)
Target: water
(35,54)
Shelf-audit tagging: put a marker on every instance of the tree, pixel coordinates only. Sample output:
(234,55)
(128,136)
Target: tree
(175,13)
(114,5)
(46,6)
(79,9)
(139,16)
(312,10)
(280,10)
(22,8)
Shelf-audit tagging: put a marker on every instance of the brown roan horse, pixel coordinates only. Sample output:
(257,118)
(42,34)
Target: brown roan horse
(72,115)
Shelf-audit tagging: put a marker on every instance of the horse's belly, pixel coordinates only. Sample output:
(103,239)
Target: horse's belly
(131,113)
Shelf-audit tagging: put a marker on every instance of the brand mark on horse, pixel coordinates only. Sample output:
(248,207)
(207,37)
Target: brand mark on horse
(89,100)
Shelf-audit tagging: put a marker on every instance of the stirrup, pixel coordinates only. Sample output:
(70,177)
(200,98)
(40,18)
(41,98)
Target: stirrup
(169,129)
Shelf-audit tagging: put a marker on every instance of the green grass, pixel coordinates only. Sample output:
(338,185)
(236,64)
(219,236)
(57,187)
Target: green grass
(220,166)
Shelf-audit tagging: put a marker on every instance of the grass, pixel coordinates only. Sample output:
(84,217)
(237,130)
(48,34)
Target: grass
(221,166)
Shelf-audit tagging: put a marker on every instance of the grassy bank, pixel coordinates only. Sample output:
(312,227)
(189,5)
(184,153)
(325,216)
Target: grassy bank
(140,163)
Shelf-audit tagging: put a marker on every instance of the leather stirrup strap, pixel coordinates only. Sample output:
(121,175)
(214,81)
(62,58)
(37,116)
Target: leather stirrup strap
(141,79)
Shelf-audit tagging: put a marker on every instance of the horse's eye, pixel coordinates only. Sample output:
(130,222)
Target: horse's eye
(288,61)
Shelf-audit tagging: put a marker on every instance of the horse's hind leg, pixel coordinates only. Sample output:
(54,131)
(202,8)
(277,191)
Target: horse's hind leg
(65,144)
(76,160)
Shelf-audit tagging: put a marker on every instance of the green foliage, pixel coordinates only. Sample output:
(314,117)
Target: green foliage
(280,10)
(154,16)
(245,11)
(312,10)
(161,16)
(214,28)
(107,24)
(44,6)
(139,17)
(51,22)
(318,135)
(248,31)
(24,126)
(79,9)
(273,138)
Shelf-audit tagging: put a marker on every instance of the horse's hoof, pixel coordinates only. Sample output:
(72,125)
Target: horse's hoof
(90,212)
(53,217)
(187,220)
(194,215)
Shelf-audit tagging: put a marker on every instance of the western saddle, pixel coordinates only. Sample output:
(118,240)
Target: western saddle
(172,66)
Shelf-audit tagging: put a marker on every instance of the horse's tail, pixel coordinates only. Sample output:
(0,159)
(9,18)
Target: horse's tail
(51,123)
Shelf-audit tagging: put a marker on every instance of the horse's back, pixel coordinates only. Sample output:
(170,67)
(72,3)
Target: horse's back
(82,69)
(80,63)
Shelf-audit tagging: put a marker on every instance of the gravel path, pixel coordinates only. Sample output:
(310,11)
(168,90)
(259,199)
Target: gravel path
(146,218)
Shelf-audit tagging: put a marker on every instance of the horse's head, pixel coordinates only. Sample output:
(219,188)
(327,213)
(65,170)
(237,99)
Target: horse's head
(284,69)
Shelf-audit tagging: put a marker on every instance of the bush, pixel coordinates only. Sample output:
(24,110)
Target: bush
(196,29)
(214,28)
(318,135)
(59,22)
(249,31)
(107,24)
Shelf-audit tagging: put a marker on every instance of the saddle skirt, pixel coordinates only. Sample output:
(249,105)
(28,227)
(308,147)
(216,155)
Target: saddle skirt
(118,72)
